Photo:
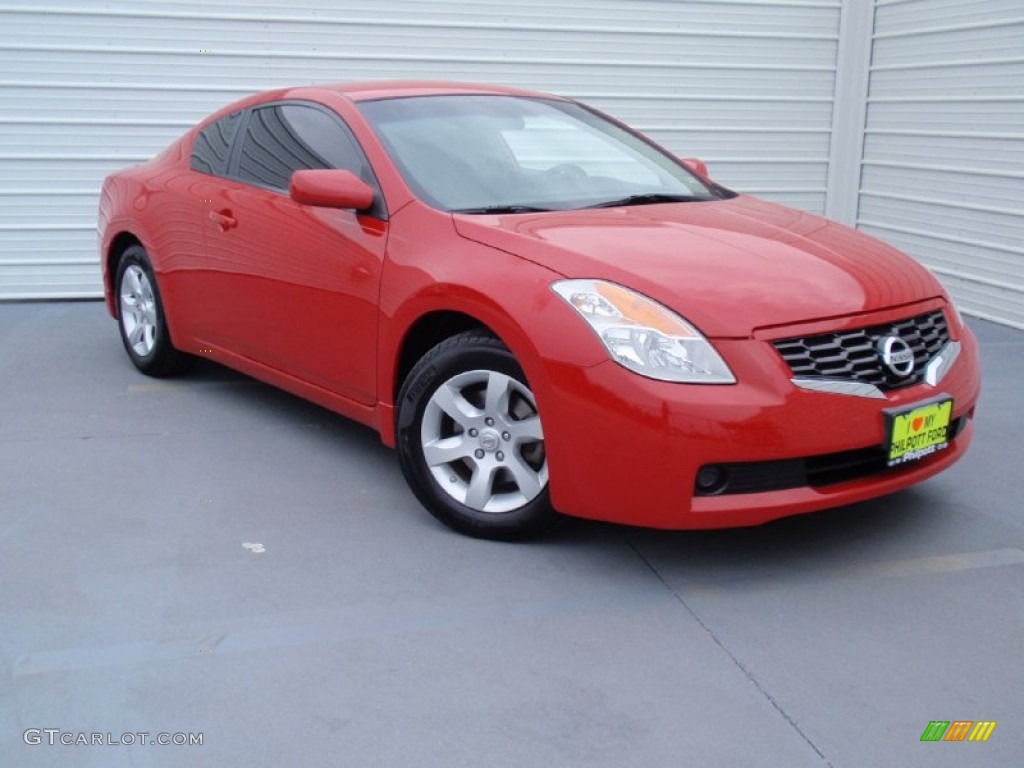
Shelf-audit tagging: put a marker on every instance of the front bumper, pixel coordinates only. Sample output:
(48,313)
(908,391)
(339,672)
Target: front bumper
(627,449)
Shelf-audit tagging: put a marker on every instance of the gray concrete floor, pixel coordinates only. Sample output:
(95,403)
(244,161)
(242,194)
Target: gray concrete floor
(365,634)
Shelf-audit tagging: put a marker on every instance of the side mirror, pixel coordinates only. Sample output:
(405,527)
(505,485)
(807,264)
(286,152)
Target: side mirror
(329,188)
(696,165)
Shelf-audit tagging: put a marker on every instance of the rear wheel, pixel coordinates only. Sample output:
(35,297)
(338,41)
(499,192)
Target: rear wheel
(141,318)
(470,440)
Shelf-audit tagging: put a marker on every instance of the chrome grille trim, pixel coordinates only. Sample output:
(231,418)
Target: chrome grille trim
(840,387)
(937,369)
(853,355)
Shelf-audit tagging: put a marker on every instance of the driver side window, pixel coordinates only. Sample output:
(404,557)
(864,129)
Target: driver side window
(285,138)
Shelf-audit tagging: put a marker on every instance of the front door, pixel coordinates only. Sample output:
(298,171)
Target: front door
(297,286)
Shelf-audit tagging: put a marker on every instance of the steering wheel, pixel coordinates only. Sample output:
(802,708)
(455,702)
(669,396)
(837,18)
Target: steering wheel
(567,171)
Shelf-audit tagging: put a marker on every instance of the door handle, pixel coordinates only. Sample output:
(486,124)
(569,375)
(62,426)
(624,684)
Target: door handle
(223,219)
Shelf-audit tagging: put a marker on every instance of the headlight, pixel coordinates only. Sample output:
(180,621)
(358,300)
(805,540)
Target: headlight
(644,336)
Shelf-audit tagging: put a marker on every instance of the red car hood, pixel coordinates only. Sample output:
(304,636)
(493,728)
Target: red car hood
(727,266)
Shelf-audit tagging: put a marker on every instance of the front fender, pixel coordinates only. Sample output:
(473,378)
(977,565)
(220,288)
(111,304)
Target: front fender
(509,295)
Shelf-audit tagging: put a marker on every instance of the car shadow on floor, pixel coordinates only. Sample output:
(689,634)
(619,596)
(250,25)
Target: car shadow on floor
(853,541)
(902,525)
(219,382)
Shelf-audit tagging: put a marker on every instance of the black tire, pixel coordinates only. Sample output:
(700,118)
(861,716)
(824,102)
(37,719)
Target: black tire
(503,443)
(141,319)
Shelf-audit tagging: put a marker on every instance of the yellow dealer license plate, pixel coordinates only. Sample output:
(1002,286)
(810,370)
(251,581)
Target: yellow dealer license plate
(918,431)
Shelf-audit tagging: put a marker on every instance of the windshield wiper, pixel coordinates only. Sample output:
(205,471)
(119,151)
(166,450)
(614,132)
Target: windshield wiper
(503,209)
(648,199)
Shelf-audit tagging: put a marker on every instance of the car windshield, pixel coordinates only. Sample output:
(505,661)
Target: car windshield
(512,154)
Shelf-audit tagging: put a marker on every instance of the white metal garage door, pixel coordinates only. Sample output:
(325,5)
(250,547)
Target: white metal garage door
(88,87)
(943,166)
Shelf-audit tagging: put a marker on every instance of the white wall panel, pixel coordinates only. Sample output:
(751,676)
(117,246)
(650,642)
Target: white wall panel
(749,85)
(943,164)
(989,151)
(906,16)
(89,87)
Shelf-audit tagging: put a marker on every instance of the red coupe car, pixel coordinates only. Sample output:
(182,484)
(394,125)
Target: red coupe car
(543,310)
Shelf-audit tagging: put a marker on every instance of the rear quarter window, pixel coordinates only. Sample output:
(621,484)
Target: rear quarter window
(212,146)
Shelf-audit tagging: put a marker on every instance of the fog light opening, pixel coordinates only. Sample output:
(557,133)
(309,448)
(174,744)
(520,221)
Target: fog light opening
(711,479)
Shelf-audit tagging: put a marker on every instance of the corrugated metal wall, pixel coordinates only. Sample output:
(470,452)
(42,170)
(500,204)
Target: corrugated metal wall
(88,87)
(943,164)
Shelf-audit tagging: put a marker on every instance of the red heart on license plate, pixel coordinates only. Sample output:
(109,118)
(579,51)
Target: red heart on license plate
(916,425)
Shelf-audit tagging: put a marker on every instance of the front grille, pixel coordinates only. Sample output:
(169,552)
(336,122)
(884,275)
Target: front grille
(853,355)
(814,471)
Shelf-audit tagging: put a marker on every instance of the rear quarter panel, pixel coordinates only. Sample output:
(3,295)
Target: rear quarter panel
(159,204)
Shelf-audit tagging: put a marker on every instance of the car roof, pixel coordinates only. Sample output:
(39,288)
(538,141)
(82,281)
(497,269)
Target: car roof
(394,89)
(371,90)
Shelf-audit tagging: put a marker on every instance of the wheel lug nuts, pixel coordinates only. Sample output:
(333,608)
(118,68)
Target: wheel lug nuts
(489,421)
(473,433)
(478,453)
(501,456)
(506,436)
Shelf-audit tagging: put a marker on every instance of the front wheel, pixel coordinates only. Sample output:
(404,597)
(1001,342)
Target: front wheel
(470,440)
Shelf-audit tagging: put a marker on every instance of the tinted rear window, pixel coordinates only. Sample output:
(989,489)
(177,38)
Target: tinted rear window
(213,145)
